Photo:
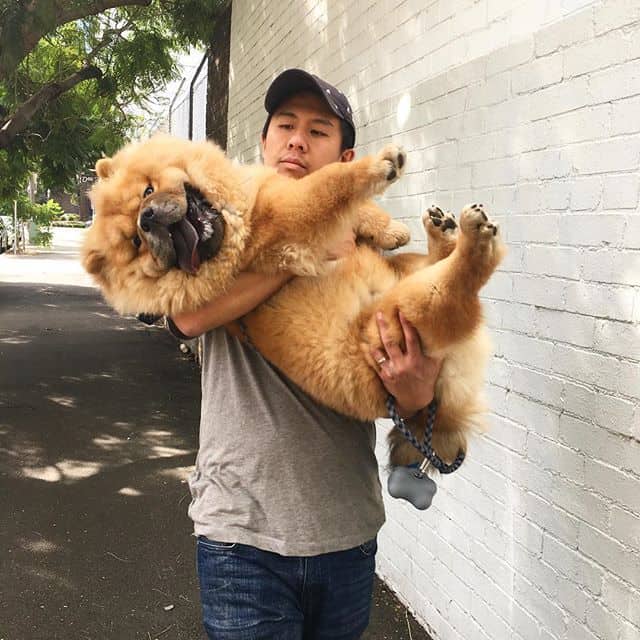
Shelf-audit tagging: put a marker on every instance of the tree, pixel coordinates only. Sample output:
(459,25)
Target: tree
(70,70)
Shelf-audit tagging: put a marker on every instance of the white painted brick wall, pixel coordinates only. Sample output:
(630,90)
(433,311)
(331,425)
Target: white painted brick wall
(532,108)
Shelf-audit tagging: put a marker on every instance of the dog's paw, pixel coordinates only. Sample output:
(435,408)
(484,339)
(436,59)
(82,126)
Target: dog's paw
(437,223)
(395,235)
(475,224)
(389,165)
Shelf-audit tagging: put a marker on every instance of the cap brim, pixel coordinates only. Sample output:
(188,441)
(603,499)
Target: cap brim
(288,83)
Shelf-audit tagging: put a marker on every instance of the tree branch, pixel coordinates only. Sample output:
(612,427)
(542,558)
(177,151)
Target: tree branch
(66,14)
(19,120)
(109,35)
(34,28)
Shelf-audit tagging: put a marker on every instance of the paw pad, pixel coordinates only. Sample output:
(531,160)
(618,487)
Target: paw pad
(394,159)
(437,217)
(474,220)
(480,210)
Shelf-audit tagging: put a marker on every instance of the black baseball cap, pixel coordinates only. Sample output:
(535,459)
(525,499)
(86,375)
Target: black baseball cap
(294,81)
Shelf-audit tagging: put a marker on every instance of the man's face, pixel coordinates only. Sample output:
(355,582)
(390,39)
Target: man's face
(303,136)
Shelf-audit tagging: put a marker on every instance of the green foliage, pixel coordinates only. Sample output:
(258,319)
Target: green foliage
(41,214)
(47,212)
(43,238)
(25,207)
(134,48)
(15,165)
(194,19)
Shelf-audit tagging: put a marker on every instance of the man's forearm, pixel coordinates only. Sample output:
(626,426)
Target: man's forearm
(247,292)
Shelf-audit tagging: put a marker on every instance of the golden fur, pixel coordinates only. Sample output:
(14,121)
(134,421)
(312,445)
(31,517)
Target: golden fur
(272,222)
(318,330)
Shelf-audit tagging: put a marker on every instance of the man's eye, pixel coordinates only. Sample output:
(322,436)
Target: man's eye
(148,191)
(316,132)
(285,126)
(136,241)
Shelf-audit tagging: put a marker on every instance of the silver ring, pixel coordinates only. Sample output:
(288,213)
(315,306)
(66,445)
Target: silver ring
(381,360)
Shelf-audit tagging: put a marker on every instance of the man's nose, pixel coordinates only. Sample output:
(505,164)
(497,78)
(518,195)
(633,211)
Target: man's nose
(297,141)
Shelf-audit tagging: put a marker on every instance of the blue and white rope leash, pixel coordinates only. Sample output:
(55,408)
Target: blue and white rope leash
(425,448)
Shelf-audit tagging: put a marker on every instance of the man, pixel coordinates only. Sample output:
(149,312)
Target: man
(286,497)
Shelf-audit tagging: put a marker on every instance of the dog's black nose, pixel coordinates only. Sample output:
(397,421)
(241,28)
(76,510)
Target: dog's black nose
(146,217)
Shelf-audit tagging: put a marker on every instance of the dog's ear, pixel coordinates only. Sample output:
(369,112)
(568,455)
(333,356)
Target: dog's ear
(93,261)
(104,167)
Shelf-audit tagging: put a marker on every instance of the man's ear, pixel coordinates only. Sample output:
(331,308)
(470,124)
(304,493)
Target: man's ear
(263,142)
(347,155)
(104,167)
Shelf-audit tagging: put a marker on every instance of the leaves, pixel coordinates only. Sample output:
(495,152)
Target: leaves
(56,123)
(193,19)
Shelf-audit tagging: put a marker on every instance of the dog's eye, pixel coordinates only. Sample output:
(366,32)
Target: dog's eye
(148,191)
(136,241)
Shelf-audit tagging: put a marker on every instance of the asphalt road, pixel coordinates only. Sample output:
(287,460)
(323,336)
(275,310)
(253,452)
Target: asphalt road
(98,432)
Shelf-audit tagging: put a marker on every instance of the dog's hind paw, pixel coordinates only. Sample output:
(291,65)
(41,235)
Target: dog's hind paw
(475,223)
(438,222)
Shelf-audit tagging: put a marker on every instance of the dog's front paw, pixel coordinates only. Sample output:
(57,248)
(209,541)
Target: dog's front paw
(388,166)
(475,224)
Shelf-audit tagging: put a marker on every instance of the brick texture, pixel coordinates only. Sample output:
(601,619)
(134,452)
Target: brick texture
(531,108)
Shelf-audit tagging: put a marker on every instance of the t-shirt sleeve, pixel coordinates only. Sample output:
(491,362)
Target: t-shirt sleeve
(175,332)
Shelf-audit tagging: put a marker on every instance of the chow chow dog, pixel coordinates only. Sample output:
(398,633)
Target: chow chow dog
(175,221)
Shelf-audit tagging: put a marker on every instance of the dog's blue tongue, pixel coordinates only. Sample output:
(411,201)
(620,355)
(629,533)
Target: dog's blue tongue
(185,241)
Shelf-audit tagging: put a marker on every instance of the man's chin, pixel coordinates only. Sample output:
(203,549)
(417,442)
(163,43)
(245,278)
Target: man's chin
(292,170)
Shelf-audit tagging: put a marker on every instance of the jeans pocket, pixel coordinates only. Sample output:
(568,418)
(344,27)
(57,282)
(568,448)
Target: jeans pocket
(369,548)
(215,545)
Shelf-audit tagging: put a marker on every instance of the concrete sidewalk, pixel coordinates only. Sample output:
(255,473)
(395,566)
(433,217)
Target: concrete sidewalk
(98,431)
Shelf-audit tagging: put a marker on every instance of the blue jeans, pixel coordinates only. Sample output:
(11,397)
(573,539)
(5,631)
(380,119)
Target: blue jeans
(250,594)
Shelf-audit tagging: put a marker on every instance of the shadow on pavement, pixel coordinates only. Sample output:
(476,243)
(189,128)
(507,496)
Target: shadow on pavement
(98,428)
(98,423)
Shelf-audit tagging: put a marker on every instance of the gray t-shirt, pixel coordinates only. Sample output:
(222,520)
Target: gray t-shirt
(275,470)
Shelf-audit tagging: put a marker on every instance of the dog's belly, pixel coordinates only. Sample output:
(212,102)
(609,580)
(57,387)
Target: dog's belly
(312,331)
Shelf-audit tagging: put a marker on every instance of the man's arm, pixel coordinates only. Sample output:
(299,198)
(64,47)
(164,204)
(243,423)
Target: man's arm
(246,293)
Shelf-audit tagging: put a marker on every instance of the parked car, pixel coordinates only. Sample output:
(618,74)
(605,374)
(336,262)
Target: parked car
(4,237)
(8,225)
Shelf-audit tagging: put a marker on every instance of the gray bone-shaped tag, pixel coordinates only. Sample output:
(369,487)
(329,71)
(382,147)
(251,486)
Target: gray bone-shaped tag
(412,485)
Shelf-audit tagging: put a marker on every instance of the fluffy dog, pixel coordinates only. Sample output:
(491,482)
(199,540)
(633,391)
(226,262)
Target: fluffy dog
(176,221)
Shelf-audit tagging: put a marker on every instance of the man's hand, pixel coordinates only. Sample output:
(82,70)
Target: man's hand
(408,375)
